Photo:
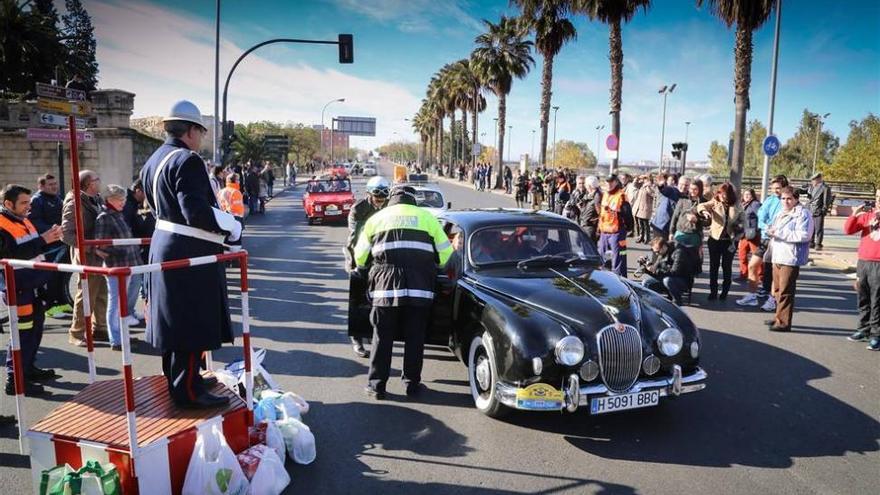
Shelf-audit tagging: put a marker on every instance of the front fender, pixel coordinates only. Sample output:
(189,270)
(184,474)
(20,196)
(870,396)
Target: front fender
(518,334)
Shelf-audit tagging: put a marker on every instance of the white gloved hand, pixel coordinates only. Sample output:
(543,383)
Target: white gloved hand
(234,248)
(228,223)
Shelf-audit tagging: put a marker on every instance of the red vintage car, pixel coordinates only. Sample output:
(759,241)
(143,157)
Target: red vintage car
(327,200)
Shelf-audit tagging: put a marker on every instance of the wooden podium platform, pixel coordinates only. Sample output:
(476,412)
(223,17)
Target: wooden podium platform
(93,425)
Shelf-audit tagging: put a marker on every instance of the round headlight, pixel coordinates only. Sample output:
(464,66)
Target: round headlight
(569,350)
(695,349)
(670,341)
(589,370)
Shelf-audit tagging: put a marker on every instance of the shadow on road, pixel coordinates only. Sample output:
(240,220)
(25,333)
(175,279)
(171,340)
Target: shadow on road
(781,418)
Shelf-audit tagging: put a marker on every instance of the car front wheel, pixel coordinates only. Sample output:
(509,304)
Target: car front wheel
(483,378)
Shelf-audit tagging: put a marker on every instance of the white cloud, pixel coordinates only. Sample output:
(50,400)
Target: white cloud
(163,56)
(413,15)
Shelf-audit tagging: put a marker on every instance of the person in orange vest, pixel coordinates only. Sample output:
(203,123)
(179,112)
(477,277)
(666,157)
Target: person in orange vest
(230,198)
(615,219)
(19,239)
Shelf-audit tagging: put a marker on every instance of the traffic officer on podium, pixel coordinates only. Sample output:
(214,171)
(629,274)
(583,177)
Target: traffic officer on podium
(404,245)
(189,308)
(378,189)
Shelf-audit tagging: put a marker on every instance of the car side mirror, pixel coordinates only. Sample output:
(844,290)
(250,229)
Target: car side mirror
(449,205)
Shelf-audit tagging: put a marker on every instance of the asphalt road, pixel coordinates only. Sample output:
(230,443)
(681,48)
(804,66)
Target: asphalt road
(782,413)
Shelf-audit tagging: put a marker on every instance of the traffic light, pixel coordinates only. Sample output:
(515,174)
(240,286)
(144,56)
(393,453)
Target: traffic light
(678,149)
(228,138)
(346,49)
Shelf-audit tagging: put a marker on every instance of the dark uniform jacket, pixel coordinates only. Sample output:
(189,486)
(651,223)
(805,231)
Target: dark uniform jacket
(189,307)
(45,211)
(403,244)
(357,217)
(820,199)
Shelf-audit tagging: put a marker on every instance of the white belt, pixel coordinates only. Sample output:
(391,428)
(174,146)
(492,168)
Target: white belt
(186,230)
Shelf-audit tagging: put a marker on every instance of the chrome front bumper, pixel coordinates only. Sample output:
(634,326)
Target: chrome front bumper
(575,395)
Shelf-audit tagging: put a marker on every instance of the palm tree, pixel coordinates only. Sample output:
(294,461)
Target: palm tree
(748,15)
(547,19)
(438,97)
(502,53)
(470,98)
(613,13)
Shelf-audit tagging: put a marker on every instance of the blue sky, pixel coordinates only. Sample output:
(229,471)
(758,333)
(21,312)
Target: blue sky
(163,51)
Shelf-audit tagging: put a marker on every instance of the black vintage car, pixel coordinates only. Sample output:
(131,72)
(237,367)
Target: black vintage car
(526,303)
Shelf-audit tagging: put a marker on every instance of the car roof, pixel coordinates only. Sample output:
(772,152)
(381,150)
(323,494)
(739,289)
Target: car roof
(476,218)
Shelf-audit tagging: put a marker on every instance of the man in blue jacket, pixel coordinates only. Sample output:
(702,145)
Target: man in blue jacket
(45,212)
(665,206)
(766,214)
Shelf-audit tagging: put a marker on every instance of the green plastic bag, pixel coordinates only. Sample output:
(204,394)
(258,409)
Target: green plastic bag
(91,479)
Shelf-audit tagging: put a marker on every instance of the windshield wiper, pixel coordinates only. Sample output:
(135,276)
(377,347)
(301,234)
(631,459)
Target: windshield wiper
(543,260)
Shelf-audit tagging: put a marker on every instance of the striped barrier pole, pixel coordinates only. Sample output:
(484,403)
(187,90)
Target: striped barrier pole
(15,348)
(87,324)
(128,381)
(246,337)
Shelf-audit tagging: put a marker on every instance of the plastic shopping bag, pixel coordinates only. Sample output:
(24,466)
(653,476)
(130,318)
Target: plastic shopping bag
(265,410)
(267,433)
(271,478)
(213,468)
(91,479)
(299,440)
(288,404)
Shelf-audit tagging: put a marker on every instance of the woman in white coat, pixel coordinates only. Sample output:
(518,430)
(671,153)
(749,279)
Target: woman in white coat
(790,236)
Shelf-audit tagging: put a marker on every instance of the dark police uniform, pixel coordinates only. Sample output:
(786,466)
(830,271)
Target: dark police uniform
(357,217)
(403,244)
(19,239)
(189,308)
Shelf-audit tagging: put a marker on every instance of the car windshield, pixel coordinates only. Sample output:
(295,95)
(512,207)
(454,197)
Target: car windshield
(429,199)
(512,244)
(329,185)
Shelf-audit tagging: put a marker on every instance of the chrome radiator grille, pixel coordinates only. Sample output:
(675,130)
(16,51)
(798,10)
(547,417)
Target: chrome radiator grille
(620,356)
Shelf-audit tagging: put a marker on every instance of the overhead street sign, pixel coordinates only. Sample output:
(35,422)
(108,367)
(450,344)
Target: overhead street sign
(771,145)
(35,134)
(59,93)
(611,142)
(355,126)
(476,149)
(81,109)
(61,120)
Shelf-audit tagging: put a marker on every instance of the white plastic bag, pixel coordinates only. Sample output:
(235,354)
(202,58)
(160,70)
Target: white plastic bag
(271,478)
(213,468)
(267,433)
(288,404)
(299,440)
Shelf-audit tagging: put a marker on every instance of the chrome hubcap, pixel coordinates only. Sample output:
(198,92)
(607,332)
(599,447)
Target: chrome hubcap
(484,373)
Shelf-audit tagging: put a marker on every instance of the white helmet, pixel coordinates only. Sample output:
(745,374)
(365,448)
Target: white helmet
(185,111)
(378,186)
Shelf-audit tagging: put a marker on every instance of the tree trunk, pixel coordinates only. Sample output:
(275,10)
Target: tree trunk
(440,146)
(615,49)
(465,152)
(451,144)
(474,124)
(546,95)
(742,79)
(502,128)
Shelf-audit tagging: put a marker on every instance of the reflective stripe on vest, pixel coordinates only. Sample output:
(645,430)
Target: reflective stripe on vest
(22,232)
(390,294)
(25,316)
(388,246)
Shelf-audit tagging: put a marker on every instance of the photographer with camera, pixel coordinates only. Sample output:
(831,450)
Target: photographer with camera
(670,269)
(583,206)
(866,221)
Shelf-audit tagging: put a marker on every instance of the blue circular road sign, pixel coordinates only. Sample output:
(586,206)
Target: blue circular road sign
(771,145)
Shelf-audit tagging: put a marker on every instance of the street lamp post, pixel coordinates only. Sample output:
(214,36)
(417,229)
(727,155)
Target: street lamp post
(216,133)
(598,130)
(765,175)
(665,91)
(322,123)
(509,134)
(555,111)
(818,131)
(687,126)
(532,155)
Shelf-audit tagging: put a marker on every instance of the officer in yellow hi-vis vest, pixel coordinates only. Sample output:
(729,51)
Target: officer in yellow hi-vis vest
(403,245)
(19,240)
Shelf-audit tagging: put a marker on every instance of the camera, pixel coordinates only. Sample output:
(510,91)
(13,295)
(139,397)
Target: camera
(870,204)
(643,260)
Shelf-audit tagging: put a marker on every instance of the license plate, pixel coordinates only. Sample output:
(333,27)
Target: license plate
(332,212)
(601,405)
(539,397)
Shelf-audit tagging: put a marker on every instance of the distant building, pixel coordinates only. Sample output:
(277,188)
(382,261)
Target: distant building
(340,139)
(152,126)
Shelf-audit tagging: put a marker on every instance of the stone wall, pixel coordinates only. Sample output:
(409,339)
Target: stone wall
(116,153)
